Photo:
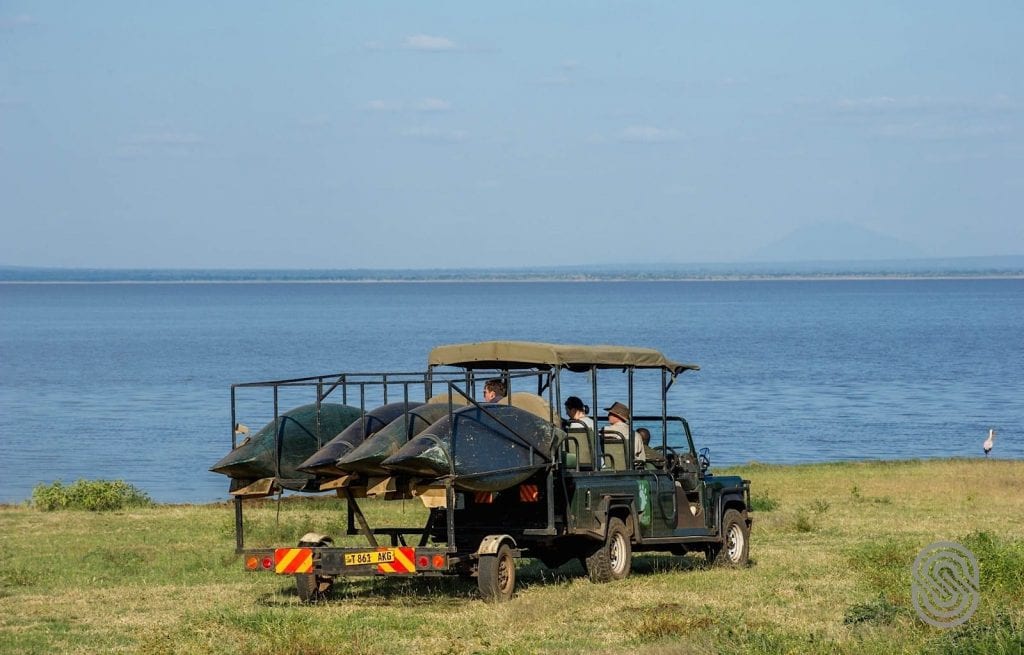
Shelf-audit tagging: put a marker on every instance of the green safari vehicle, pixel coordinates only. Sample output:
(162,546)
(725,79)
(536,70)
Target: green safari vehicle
(512,478)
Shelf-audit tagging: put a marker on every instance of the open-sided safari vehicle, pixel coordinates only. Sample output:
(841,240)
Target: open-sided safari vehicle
(502,480)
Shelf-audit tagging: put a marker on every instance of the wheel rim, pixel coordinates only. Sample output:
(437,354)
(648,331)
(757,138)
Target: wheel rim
(505,574)
(617,553)
(734,546)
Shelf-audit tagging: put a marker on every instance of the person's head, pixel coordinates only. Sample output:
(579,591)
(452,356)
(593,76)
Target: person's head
(644,434)
(494,390)
(617,413)
(574,407)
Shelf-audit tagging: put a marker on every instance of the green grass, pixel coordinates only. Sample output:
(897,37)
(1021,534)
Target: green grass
(831,547)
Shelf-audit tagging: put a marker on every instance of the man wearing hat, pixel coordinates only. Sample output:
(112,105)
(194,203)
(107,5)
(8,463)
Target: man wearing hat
(618,428)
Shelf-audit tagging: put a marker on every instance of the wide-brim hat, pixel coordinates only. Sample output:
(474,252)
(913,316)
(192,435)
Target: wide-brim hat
(618,409)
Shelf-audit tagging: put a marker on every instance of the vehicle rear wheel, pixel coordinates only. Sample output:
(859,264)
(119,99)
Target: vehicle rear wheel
(735,549)
(496,577)
(614,558)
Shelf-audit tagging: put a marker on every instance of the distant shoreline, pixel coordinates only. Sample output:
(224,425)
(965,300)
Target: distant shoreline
(538,280)
(963,268)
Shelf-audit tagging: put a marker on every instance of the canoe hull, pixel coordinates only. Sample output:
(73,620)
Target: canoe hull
(294,433)
(366,458)
(489,449)
(324,462)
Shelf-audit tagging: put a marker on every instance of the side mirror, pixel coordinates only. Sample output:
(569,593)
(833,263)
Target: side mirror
(705,460)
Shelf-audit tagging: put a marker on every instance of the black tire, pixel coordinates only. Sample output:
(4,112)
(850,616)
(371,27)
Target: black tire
(496,577)
(735,549)
(309,586)
(614,558)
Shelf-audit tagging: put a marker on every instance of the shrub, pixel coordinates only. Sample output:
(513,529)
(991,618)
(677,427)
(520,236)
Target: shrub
(802,522)
(91,495)
(763,503)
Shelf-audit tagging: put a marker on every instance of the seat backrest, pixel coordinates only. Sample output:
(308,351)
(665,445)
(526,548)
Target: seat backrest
(578,445)
(614,454)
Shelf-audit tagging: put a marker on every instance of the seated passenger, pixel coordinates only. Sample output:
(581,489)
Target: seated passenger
(618,422)
(494,390)
(578,412)
(643,445)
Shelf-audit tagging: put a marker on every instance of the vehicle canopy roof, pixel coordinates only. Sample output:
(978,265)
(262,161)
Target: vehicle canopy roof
(535,355)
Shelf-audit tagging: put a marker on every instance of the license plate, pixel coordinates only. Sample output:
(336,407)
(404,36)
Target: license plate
(370,557)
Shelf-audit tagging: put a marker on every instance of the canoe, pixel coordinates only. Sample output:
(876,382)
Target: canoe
(276,450)
(366,458)
(490,448)
(324,462)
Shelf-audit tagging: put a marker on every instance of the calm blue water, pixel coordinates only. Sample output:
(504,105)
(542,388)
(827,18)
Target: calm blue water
(132,381)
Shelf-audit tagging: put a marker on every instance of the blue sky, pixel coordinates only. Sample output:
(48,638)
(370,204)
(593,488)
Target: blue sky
(441,134)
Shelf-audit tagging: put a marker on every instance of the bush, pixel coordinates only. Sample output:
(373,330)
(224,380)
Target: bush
(763,503)
(91,495)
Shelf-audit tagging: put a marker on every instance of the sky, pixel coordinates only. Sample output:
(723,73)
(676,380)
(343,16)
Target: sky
(468,134)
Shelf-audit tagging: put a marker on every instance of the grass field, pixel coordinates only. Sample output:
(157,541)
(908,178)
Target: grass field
(831,547)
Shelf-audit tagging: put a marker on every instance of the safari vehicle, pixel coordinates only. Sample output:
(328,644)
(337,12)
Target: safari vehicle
(502,480)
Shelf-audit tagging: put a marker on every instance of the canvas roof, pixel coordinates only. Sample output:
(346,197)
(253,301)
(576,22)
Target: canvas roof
(530,354)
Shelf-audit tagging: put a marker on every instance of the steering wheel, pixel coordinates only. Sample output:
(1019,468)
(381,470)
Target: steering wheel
(669,455)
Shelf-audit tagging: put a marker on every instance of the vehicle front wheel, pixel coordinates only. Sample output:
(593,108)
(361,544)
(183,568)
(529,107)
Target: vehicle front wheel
(614,558)
(735,549)
(496,577)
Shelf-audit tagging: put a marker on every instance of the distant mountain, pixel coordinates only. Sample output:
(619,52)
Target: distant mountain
(826,242)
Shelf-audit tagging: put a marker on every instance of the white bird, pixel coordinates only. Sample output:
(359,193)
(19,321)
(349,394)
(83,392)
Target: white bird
(988,442)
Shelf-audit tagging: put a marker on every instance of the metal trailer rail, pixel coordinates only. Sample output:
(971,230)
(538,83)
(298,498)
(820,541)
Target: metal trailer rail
(411,386)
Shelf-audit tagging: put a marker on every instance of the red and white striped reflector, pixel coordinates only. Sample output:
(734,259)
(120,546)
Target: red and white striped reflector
(529,493)
(293,560)
(403,562)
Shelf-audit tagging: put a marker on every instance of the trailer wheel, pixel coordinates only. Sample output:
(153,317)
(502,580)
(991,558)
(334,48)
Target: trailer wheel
(312,588)
(496,577)
(614,558)
(309,586)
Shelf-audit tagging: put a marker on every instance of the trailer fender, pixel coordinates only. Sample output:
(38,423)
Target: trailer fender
(490,544)
(315,539)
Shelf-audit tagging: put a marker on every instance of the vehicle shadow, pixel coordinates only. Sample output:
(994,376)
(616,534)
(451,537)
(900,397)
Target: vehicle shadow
(454,590)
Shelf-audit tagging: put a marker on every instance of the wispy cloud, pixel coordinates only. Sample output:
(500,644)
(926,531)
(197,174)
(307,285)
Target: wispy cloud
(924,118)
(17,22)
(383,105)
(428,43)
(432,105)
(648,134)
(10,101)
(564,75)
(937,130)
(165,143)
(423,106)
(925,104)
(435,135)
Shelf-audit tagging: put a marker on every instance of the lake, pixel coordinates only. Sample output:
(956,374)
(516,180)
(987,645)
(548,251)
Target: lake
(132,381)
